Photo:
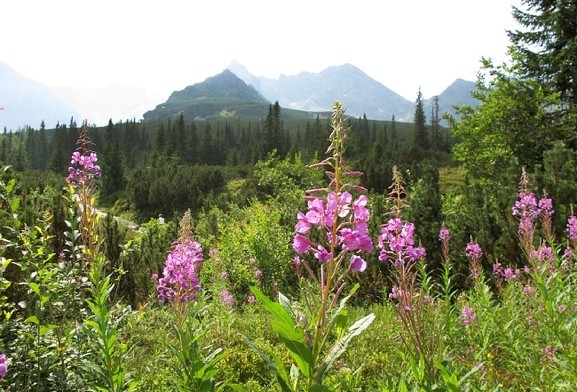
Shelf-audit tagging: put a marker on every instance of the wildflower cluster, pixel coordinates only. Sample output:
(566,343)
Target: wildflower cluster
(397,242)
(528,209)
(352,232)
(474,253)
(180,282)
(83,167)
(444,237)
(396,238)
(505,273)
(468,315)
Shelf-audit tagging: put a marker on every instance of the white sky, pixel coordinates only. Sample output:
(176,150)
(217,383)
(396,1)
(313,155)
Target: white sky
(163,46)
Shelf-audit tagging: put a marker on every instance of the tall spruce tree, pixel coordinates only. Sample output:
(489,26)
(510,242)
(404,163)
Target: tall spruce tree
(112,169)
(436,137)
(420,133)
(548,47)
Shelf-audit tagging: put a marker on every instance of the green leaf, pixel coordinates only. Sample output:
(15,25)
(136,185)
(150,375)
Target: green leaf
(34,287)
(341,345)
(275,309)
(284,325)
(47,328)
(14,204)
(294,340)
(10,186)
(32,319)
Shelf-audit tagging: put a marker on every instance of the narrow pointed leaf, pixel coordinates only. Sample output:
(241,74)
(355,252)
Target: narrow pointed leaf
(341,345)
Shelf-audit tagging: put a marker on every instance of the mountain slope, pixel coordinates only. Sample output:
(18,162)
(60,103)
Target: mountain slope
(222,95)
(27,102)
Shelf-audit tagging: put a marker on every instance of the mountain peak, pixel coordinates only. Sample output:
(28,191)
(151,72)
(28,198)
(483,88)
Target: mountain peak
(214,97)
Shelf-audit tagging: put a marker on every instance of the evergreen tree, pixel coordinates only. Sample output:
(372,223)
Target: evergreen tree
(43,154)
(436,136)
(548,48)
(206,146)
(161,139)
(273,137)
(420,134)
(111,163)
(394,136)
(60,157)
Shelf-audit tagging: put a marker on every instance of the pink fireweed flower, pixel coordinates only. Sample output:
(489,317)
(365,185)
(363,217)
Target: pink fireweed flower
(303,225)
(317,214)
(398,293)
(360,210)
(301,244)
(572,229)
(3,366)
(397,242)
(258,274)
(357,264)
(510,274)
(321,254)
(339,204)
(297,262)
(83,168)
(226,298)
(497,269)
(180,281)
(548,353)
(444,234)
(474,251)
(544,254)
(468,315)
(526,206)
(546,207)
(356,239)
(568,253)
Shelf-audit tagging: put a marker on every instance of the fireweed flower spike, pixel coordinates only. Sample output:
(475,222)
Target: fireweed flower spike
(546,212)
(328,238)
(444,237)
(474,253)
(179,282)
(82,172)
(397,246)
(526,209)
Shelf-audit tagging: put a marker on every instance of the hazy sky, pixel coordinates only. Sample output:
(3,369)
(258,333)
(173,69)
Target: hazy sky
(166,45)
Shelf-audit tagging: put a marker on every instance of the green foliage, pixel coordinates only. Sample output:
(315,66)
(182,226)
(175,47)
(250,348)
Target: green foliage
(172,187)
(141,258)
(105,364)
(253,241)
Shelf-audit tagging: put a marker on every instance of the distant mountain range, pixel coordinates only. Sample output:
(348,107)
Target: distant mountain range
(300,95)
(359,93)
(27,102)
(232,93)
